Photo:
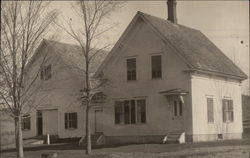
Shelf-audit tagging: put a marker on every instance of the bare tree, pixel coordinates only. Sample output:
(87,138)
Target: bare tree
(92,16)
(23,25)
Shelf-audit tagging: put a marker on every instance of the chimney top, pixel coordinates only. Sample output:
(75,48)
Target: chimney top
(172,11)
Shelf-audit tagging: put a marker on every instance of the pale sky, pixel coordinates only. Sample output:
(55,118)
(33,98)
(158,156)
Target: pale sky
(226,23)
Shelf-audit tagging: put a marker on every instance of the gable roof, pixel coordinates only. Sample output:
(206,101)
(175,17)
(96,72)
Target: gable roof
(72,55)
(198,52)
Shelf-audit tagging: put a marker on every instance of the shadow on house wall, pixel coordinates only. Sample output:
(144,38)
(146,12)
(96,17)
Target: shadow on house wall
(246,114)
(7,131)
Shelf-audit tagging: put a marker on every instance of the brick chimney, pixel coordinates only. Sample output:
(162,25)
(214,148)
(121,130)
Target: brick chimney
(172,11)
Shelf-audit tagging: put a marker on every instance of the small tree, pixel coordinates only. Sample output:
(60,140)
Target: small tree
(92,16)
(23,25)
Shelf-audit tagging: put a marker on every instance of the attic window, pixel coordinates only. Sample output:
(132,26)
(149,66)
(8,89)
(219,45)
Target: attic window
(46,72)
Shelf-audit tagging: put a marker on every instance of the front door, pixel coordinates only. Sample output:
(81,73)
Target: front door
(98,121)
(39,123)
(50,121)
(177,114)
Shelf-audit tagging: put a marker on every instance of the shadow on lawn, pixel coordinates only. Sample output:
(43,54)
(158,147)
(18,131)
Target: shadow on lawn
(64,146)
(73,145)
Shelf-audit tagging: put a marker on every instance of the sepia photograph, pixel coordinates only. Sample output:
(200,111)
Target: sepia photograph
(125,79)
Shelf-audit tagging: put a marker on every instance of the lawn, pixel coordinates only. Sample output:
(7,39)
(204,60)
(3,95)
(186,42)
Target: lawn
(224,149)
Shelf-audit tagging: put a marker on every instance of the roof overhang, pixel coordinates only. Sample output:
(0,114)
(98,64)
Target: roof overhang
(220,74)
(173,92)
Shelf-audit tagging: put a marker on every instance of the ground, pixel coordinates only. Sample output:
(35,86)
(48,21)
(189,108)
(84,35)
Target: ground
(224,149)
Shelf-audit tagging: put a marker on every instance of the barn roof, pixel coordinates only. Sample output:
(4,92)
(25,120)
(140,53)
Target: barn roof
(72,55)
(198,52)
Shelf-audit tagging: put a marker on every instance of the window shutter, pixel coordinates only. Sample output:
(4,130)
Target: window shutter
(141,111)
(231,110)
(117,112)
(175,108)
(180,108)
(42,73)
(66,120)
(75,120)
(224,110)
(132,108)
(126,112)
(49,72)
(28,122)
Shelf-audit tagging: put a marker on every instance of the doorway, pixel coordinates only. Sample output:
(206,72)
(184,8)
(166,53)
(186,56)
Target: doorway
(98,121)
(39,123)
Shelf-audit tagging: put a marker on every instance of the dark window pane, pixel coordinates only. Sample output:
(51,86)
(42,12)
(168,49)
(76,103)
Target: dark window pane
(117,112)
(70,120)
(156,66)
(26,122)
(141,111)
(175,108)
(180,108)
(66,120)
(48,71)
(132,104)
(127,112)
(42,73)
(210,112)
(224,110)
(228,114)
(131,69)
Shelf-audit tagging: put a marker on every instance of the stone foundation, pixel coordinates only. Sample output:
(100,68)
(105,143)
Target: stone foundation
(134,139)
(212,137)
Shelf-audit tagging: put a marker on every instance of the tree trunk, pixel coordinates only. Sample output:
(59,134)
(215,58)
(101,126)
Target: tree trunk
(19,136)
(88,132)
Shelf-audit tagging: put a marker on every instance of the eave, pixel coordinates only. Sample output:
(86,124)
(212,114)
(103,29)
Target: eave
(219,74)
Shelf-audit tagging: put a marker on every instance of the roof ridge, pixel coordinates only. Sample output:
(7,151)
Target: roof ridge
(143,13)
(63,43)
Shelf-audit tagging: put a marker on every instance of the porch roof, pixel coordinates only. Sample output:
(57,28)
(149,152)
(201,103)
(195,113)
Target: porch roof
(175,91)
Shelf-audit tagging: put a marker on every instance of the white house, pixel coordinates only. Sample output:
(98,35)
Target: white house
(168,79)
(57,109)
(162,79)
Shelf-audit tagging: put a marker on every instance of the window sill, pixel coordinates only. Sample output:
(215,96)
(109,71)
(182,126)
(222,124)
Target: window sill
(176,117)
(24,130)
(131,81)
(70,129)
(210,123)
(156,79)
(228,122)
(136,124)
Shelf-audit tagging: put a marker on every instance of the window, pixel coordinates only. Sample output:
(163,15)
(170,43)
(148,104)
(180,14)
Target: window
(228,114)
(210,110)
(130,111)
(45,72)
(70,120)
(156,66)
(177,108)
(26,122)
(131,69)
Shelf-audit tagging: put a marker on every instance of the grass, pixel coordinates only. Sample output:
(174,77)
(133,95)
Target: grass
(226,149)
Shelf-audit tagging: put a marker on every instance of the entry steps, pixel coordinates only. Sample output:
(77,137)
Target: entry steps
(174,137)
(41,139)
(96,139)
